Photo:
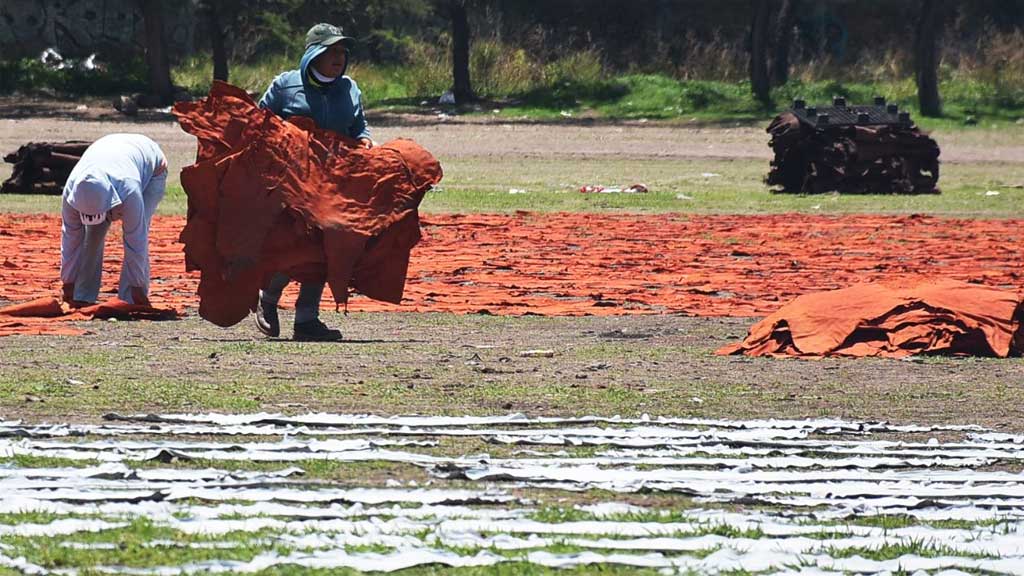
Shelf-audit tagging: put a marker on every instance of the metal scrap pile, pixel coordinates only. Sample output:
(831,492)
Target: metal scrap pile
(42,167)
(851,149)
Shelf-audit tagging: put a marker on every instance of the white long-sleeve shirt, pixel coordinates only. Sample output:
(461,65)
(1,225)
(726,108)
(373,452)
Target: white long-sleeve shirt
(124,164)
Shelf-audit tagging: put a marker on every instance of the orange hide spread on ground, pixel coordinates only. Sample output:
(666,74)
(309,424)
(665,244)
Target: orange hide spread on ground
(602,264)
(267,195)
(944,317)
(42,316)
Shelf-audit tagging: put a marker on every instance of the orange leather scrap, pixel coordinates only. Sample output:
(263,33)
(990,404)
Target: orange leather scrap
(268,195)
(45,315)
(943,317)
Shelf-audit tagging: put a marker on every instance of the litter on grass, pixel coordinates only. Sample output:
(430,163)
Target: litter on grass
(766,494)
(598,189)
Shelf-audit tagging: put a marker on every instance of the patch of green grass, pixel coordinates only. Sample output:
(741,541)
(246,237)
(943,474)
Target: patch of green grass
(389,87)
(577,84)
(677,185)
(622,351)
(729,531)
(560,514)
(115,390)
(890,551)
(29,461)
(504,569)
(195,73)
(680,185)
(13,519)
(897,521)
(30,75)
(130,547)
(313,469)
(655,96)
(569,548)
(368,548)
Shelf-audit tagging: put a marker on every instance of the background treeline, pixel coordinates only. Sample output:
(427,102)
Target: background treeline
(729,56)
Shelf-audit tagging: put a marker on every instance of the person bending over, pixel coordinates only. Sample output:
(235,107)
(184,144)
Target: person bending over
(119,177)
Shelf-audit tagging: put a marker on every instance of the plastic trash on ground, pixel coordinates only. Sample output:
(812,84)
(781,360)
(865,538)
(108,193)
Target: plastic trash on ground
(599,189)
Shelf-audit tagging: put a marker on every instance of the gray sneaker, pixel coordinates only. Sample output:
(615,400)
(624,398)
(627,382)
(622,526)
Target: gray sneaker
(266,319)
(315,331)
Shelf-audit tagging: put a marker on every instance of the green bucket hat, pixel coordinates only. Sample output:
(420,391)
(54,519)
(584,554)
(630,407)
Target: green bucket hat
(326,34)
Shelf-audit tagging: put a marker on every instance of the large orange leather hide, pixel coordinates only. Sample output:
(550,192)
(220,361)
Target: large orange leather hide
(871,319)
(268,195)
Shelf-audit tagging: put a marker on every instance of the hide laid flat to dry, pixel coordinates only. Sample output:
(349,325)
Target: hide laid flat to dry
(851,149)
(45,316)
(945,317)
(268,195)
(42,167)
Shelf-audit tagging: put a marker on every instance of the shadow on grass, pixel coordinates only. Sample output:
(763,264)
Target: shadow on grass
(285,340)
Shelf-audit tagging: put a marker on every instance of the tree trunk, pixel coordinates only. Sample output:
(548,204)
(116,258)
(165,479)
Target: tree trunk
(462,88)
(374,42)
(783,40)
(160,85)
(216,29)
(926,57)
(759,81)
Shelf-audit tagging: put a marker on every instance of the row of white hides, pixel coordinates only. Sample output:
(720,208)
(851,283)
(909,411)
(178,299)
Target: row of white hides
(771,495)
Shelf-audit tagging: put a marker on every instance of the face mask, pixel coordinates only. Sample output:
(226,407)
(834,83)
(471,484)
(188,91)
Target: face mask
(320,77)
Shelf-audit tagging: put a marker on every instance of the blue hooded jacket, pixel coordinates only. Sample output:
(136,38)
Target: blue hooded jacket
(336,106)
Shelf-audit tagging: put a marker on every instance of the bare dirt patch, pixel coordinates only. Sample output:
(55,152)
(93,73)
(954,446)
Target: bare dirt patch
(395,363)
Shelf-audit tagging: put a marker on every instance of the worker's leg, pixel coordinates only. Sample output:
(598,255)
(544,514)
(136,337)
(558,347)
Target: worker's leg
(153,194)
(266,309)
(87,285)
(308,326)
(271,293)
(307,305)
(151,198)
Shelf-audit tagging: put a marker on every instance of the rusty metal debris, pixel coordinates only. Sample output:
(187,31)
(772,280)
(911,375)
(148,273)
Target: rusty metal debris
(873,149)
(42,167)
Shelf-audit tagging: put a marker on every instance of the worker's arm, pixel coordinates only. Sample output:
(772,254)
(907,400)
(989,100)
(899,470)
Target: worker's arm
(72,236)
(271,99)
(135,271)
(359,130)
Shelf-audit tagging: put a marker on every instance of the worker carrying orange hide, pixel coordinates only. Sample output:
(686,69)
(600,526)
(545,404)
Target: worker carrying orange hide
(268,195)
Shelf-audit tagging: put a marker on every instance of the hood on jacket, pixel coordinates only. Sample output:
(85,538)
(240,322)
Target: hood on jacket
(311,53)
(93,195)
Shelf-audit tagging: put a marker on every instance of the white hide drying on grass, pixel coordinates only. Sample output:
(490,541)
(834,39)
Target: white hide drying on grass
(813,478)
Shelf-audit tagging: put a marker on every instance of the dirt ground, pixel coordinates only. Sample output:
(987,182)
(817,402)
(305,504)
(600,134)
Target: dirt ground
(435,363)
(399,363)
(478,136)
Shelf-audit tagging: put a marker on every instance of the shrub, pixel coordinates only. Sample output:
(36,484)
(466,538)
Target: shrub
(31,75)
